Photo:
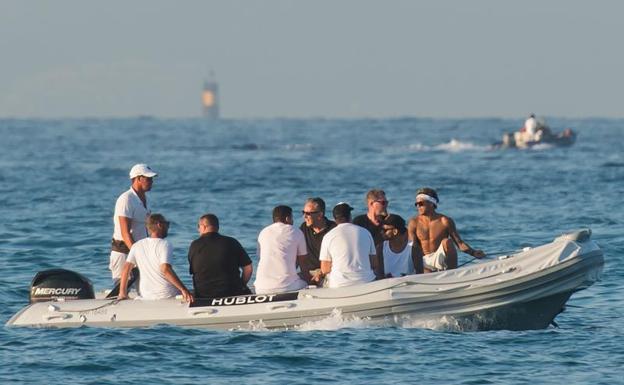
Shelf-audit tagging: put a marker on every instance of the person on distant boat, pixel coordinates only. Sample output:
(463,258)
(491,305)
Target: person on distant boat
(435,234)
(216,261)
(314,227)
(153,257)
(347,252)
(372,221)
(280,246)
(534,130)
(131,210)
(395,253)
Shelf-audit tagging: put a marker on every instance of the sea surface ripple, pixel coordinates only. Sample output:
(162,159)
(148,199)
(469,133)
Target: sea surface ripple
(59,180)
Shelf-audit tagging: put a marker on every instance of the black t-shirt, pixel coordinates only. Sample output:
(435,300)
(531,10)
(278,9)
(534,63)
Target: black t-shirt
(376,231)
(313,243)
(214,263)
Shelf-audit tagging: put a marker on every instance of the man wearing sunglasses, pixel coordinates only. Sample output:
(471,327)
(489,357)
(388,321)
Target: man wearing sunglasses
(314,227)
(131,210)
(436,234)
(377,210)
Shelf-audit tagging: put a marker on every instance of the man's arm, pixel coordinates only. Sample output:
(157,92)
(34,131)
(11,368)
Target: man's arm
(172,277)
(126,224)
(463,246)
(411,229)
(247,271)
(377,262)
(326,267)
(123,283)
(300,263)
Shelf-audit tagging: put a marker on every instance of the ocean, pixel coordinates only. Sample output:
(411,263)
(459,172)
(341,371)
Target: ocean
(59,180)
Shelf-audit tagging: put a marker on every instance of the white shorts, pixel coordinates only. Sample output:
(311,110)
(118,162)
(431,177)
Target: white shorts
(435,261)
(116,264)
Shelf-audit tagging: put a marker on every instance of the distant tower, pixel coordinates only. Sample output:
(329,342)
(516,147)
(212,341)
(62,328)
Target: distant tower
(210,98)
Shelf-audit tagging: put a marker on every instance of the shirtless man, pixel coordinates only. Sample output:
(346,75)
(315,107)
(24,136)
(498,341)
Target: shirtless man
(436,234)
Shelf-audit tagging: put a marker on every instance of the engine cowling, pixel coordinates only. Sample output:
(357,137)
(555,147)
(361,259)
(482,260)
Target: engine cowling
(53,284)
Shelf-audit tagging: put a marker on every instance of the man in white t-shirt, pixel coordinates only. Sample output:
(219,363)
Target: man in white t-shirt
(153,258)
(280,246)
(131,210)
(346,251)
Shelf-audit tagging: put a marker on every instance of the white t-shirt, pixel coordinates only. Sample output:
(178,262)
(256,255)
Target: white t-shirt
(398,264)
(531,126)
(129,205)
(278,247)
(148,254)
(349,248)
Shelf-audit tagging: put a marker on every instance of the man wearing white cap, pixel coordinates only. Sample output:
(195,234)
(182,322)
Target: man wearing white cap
(131,211)
(435,234)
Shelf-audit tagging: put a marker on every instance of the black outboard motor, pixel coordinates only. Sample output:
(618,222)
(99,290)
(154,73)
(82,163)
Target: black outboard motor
(60,283)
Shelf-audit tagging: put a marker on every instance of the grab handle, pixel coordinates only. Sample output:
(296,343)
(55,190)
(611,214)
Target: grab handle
(282,306)
(59,316)
(204,311)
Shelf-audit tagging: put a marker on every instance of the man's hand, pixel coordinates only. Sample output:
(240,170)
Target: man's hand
(316,275)
(187,296)
(478,254)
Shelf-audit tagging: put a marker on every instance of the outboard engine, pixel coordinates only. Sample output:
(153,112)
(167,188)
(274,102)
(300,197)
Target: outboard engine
(60,283)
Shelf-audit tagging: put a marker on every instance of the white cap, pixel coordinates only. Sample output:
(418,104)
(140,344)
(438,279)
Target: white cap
(141,169)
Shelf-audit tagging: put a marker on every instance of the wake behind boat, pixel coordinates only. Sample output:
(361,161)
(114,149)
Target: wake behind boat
(526,290)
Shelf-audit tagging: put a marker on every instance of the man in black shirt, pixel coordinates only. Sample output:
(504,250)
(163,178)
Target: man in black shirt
(314,228)
(215,262)
(372,221)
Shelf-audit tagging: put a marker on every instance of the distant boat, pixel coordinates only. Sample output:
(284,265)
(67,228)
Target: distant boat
(516,139)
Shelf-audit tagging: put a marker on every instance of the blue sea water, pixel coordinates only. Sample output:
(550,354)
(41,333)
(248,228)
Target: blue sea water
(59,180)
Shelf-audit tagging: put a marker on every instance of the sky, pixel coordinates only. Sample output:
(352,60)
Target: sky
(322,58)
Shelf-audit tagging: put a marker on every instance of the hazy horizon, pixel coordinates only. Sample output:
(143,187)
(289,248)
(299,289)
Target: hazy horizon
(282,59)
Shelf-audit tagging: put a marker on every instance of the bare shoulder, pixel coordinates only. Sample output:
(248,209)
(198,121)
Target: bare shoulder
(446,220)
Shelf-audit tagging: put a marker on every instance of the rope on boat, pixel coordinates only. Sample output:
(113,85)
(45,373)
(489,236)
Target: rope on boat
(109,303)
(495,255)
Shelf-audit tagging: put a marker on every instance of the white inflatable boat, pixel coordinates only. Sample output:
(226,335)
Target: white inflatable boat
(525,290)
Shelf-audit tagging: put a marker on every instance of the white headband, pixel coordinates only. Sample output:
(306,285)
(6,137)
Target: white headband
(425,197)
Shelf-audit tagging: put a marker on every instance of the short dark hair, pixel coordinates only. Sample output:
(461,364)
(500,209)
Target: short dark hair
(320,203)
(342,212)
(153,220)
(395,221)
(211,220)
(281,212)
(375,194)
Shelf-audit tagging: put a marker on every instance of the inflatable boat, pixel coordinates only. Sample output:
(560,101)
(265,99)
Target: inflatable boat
(524,290)
(564,138)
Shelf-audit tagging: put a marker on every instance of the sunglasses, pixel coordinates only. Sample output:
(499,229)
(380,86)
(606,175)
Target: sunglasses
(382,202)
(419,204)
(309,212)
